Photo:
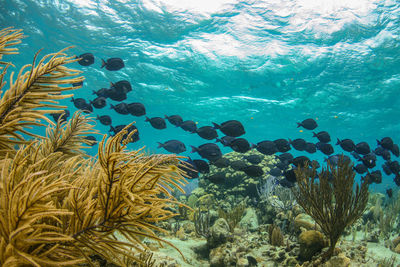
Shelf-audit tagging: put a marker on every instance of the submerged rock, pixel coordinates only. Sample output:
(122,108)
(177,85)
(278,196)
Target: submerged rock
(249,220)
(219,233)
(311,242)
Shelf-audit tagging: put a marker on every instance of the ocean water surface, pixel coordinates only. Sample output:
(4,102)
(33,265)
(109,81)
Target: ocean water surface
(268,64)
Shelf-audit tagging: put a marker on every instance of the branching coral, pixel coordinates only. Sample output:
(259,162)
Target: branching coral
(58,207)
(331,202)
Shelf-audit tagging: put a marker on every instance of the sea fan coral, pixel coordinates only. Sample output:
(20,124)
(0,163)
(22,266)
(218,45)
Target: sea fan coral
(58,206)
(332,201)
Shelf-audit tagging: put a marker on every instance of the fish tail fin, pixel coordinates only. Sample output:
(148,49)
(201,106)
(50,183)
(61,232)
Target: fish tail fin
(147,119)
(160,145)
(299,124)
(338,141)
(103,63)
(98,117)
(218,140)
(194,149)
(111,129)
(253,146)
(314,134)
(379,142)
(94,92)
(72,99)
(166,117)
(112,106)
(290,141)
(216,126)
(112,84)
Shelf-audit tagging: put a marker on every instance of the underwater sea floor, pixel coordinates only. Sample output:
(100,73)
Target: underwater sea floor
(349,253)
(247,221)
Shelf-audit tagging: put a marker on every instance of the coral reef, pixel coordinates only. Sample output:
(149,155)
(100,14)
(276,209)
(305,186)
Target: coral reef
(236,182)
(58,206)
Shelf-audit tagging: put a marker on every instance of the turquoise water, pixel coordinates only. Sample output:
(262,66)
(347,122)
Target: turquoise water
(268,64)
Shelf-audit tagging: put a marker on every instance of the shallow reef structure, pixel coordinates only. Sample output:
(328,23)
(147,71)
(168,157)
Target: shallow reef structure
(234,182)
(58,205)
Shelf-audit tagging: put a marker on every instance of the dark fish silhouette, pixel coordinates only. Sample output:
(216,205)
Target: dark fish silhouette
(334,159)
(386,143)
(283,165)
(386,155)
(217,178)
(395,150)
(309,124)
(310,148)
(191,172)
(323,136)
(122,86)
(362,148)
(208,151)
(254,159)
(105,119)
(346,144)
(116,95)
(282,145)
(157,122)
(121,108)
(232,128)
(201,165)
(225,140)
(207,132)
(286,157)
(386,168)
(174,119)
(240,145)
(369,160)
(379,151)
(396,179)
(301,161)
(238,165)
(91,140)
(79,103)
(253,171)
(221,162)
(360,168)
(113,64)
(394,166)
(101,92)
(389,192)
(86,59)
(298,144)
(189,126)
(77,84)
(266,147)
(173,146)
(373,177)
(87,108)
(99,102)
(327,149)
(118,128)
(290,176)
(62,116)
(136,109)
(275,172)
(286,183)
